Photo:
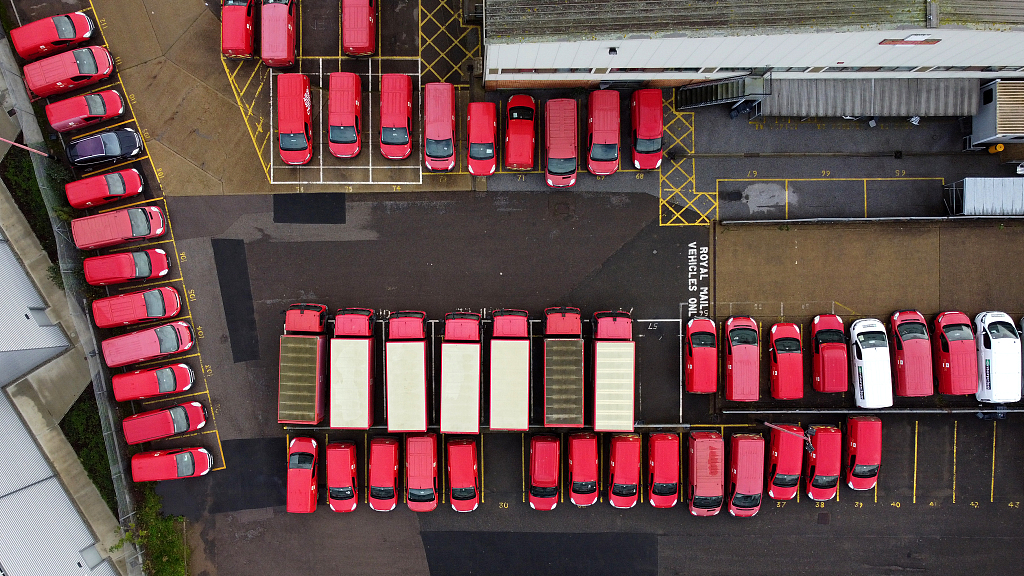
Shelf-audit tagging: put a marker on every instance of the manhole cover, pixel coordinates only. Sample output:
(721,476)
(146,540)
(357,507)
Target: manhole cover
(824,517)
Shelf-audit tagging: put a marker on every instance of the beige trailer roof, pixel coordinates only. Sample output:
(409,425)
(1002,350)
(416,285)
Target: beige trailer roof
(406,385)
(350,383)
(460,388)
(510,385)
(614,383)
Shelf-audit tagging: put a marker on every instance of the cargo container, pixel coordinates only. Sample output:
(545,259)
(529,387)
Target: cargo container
(563,367)
(510,370)
(302,365)
(460,374)
(352,369)
(614,372)
(405,371)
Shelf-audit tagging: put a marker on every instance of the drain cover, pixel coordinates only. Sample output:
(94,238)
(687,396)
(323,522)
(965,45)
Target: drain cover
(824,517)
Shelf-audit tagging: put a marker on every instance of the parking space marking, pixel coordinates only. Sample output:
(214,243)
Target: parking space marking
(786,182)
(366,467)
(111,127)
(176,397)
(115,166)
(482,469)
(914,499)
(992,487)
(954,461)
(522,454)
(139,203)
(245,110)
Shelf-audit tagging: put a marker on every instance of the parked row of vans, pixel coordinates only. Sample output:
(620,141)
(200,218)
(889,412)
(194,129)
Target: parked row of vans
(907,358)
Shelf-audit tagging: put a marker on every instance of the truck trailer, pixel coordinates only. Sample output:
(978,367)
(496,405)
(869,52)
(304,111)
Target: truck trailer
(614,372)
(563,368)
(302,365)
(352,369)
(405,360)
(460,374)
(510,370)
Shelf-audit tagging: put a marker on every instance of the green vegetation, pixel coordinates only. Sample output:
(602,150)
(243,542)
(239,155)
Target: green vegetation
(81,426)
(162,537)
(20,178)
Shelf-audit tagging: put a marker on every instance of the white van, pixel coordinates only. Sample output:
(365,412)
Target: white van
(869,364)
(998,345)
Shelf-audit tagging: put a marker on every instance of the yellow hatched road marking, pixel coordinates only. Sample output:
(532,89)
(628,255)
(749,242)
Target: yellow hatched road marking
(245,118)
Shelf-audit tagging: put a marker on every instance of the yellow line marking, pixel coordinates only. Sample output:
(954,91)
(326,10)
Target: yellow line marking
(123,122)
(136,247)
(366,468)
(163,360)
(954,461)
(865,198)
(481,468)
(915,463)
(522,454)
(561,442)
(139,203)
(444,474)
(241,109)
(133,287)
(841,305)
(876,491)
(116,166)
(175,397)
(600,468)
(992,488)
(246,87)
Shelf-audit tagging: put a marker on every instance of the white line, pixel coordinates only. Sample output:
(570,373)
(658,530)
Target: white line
(308,167)
(419,82)
(680,362)
(369,110)
(659,320)
(15,8)
(321,78)
(271,127)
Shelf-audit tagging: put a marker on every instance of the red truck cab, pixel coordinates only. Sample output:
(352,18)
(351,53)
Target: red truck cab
(136,307)
(911,354)
(482,137)
(956,361)
(277,33)
(624,470)
(648,125)
(236,28)
(785,461)
(603,132)
(358,28)
(830,365)
(68,71)
(163,423)
(742,359)
(302,473)
(342,486)
(159,381)
(663,470)
(746,474)
(560,140)
(863,451)
(439,126)
(787,361)
(294,118)
(545,464)
(383,480)
(583,468)
(823,465)
(421,472)
(345,115)
(707,473)
(171,464)
(701,356)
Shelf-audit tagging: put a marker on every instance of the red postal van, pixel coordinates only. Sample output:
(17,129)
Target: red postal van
(294,118)
(742,359)
(147,344)
(358,31)
(830,367)
(603,132)
(701,356)
(624,470)
(911,354)
(80,112)
(787,361)
(463,489)
(823,465)
(421,472)
(956,360)
(117,227)
(345,115)
(439,126)
(383,481)
(645,113)
(544,468)
(482,132)
(277,33)
(125,267)
(785,461)
(663,470)
(159,381)
(395,116)
(863,451)
(342,487)
(560,142)
(157,424)
(236,28)
(746,474)
(171,464)
(707,473)
(68,71)
(302,473)
(583,469)
(104,188)
(136,307)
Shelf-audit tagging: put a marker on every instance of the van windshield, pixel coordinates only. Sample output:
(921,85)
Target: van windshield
(139,220)
(958,332)
(301,461)
(94,103)
(664,488)
(544,492)
(825,481)
(912,331)
(115,184)
(1002,330)
(185,463)
(624,489)
(165,381)
(179,419)
(463,493)
(703,340)
(293,142)
(394,136)
(604,152)
(154,303)
(86,61)
(830,336)
(786,480)
(584,487)
(787,345)
(743,336)
(168,338)
(343,134)
(341,493)
(421,494)
(379,493)
(707,502)
(481,151)
(439,148)
(648,145)
(865,471)
(65,27)
(561,166)
(872,339)
(143,267)
(746,500)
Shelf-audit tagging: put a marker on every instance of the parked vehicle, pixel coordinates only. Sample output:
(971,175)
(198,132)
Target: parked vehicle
(706,473)
(51,35)
(383,480)
(822,466)
(148,344)
(785,461)
(520,132)
(171,464)
(563,367)
(956,362)
(583,468)
(560,142)
(80,112)
(342,486)
(510,370)
(460,374)
(614,372)
(302,365)
(482,138)
(830,366)
(104,188)
(294,118)
(278,48)
(663,469)
(160,381)
(117,227)
(787,361)
(236,28)
(999,358)
(68,71)
(544,472)
(701,356)
(439,126)
(863,451)
(163,423)
(603,132)
(645,113)
(746,474)
(395,116)
(421,472)
(352,359)
(869,364)
(742,359)
(108,146)
(358,28)
(345,114)
(125,267)
(302,473)
(912,354)
(405,360)
(136,307)
(463,490)
(624,470)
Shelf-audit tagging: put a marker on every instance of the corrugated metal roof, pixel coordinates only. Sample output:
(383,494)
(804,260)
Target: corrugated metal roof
(993,197)
(17,295)
(981,12)
(21,462)
(873,97)
(1010,108)
(587,18)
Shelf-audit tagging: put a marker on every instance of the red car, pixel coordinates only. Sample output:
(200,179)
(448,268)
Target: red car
(421,472)
(136,307)
(742,359)
(103,189)
(395,116)
(785,460)
(68,71)
(663,470)
(463,490)
(160,381)
(78,112)
(956,360)
(163,423)
(342,487)
(830,367)
(707,473)
(482,131)
(912,354)
(701,356)
(358,31)
(544,468)
(624,470)
(236,28)
(125,267)
(746,474)
(302,472)
(383,480)
(171,464)
(51,35)
(439,126)
(583,470)
(117,227)
(147,344)
(645,113)
(603,132)
(277,32)
(787,361)
(863,451)
(520,132)
(823,464)
(345,115)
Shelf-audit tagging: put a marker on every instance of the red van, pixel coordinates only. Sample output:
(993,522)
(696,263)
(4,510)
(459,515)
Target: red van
(345,115)
(342,487)
(645,113)
(544,468)
(159,381)
(147,344)
(51,35)
(742,359)
(125,267)
(663,470)
(439,126)
(746,474)
(911,354)
(520,132)
(136,307)
(103,189)
(463,489)
(701,356)
(830,367)
(171,464)
(863,451)
(277,33)
(583,469)
(603,132)
(236,30)
(823,464)
(294,118)
(383,481)
(482,132)
(302,472)
(395,116)
(787,361)
(157,424)
(79,112)
(785,461)
(707,476)
(421,472)
(560,140)
(68,71)
(624,470)
(956,361)
(117,227)
(358,31)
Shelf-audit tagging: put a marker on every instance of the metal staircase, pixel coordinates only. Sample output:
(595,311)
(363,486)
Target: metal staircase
(747,87)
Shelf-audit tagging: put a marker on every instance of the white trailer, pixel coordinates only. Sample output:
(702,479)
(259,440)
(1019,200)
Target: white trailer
(406,384)
(614,377)
(460,388)
(351,383)
(510,384)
